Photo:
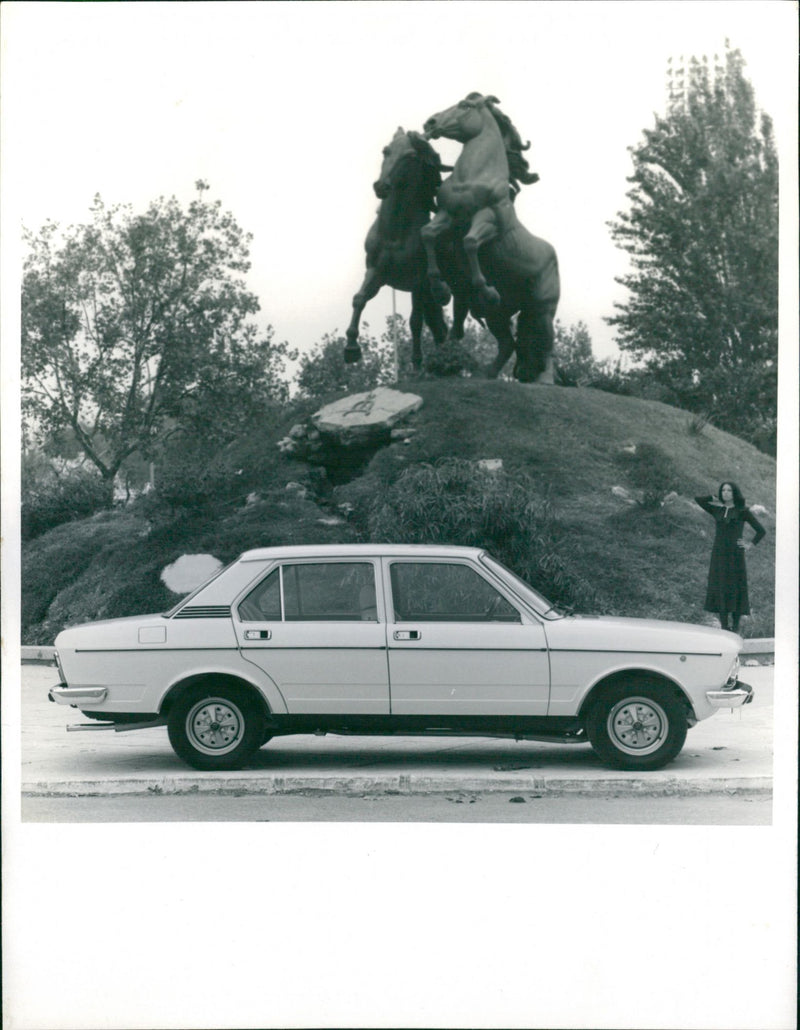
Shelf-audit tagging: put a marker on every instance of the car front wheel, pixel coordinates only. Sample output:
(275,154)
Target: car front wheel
(637,726)
(216,727)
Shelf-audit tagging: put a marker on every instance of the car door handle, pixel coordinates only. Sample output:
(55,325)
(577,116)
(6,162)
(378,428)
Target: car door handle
(407,634)
(257,634)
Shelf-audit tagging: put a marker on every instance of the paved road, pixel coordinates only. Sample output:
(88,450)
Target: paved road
(729,753)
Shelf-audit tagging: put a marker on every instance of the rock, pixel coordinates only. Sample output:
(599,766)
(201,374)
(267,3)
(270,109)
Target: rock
(298,489)
(298,432)
(491,464)
(363,417)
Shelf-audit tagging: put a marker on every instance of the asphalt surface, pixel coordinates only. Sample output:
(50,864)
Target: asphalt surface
(730,752)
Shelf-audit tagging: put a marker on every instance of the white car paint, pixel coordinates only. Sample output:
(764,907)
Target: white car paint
(536,664)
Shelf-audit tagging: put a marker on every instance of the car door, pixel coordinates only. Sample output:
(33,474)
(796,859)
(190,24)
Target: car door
(458,645)
(316,629)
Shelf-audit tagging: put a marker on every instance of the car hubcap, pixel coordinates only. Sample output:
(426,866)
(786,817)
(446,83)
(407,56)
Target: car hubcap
(637,726)
(214,726)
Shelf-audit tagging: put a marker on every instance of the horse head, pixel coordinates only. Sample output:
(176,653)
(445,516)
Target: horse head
(463,121)
(398,155)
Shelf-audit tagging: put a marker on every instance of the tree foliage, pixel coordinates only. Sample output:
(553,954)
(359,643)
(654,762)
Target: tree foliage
(702,233)
(323,370)
(574,359)
(134,325)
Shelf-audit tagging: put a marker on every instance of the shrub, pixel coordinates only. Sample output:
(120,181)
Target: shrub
(572,353)
(193,475)
(51,499)
(186,484)
(451,358)
(651,471)
(697,424)
(57,561)
(458,502)
(610,376)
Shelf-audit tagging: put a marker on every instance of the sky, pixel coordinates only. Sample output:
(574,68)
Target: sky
(283,108)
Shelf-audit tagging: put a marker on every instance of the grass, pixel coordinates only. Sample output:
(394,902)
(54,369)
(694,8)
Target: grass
(569,446)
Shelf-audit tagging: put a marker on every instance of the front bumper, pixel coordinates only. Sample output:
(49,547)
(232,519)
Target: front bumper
(735,697)
(80,696)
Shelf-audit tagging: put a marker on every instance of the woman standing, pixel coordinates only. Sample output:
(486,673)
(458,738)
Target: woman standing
(727,575)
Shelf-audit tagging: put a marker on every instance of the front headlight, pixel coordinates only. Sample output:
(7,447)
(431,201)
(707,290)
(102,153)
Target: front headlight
(733,675)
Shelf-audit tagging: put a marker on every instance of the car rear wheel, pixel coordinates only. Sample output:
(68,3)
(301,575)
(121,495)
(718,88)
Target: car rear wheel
(216,727)
(637,726)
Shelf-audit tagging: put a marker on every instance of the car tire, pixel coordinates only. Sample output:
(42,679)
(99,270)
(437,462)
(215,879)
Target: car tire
(215,727)
(637,726)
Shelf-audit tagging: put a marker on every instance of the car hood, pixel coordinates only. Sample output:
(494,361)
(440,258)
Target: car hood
(607,632)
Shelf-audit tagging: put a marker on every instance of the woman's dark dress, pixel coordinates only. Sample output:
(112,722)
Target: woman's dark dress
(727,574)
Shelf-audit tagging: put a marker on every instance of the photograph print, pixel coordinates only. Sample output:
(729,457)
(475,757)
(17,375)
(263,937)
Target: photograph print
(399,453)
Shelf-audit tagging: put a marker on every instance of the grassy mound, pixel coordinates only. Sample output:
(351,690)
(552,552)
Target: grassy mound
(595,496)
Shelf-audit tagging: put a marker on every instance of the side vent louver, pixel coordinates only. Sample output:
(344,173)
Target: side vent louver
(205,611)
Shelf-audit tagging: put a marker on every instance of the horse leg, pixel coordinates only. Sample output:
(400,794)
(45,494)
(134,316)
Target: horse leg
(500,328)
(482,230)
(546,337)
(434,318)
(535,336)
(429,234)
(415,326)
(369,289)
(460,312)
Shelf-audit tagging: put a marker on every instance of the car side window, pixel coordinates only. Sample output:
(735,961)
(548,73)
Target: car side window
(329,591)
(263,603)
(446,592)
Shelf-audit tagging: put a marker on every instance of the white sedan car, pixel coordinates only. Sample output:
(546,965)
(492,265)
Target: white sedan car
(394,639)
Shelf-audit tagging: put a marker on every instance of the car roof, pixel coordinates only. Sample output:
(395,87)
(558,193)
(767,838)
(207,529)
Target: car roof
(361,551)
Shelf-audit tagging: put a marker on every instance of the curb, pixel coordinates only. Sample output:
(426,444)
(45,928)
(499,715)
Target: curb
(400,784)
(37,655)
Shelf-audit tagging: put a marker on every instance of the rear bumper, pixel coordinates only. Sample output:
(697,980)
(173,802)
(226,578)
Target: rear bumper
(741,694)
(64,695)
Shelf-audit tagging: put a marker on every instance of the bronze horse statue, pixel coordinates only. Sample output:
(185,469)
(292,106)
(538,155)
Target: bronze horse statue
(409,179)
(510,270)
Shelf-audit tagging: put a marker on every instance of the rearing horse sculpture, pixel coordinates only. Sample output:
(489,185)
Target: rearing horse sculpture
(475,204)
(409,178)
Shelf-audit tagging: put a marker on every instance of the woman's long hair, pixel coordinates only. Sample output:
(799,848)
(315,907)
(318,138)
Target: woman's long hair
(738,497)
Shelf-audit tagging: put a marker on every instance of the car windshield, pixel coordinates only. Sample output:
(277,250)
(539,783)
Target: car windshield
(203,585)
(525,590)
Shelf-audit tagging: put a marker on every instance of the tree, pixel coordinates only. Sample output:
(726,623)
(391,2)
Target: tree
(574,358)
(323,370)
(135,325)
(702,233)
